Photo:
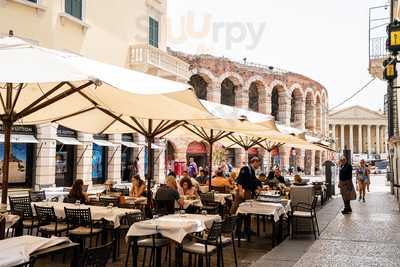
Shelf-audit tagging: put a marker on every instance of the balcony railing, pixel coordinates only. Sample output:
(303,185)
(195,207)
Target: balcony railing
(145,54)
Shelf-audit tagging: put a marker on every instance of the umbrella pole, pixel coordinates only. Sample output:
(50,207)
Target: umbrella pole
(150,168)
(210,164)
(7,124)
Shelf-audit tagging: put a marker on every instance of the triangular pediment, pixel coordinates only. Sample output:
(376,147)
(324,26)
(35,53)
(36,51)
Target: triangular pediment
(357,112)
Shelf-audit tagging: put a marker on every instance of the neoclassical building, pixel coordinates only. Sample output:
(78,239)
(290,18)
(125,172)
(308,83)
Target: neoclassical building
(359,129)
(292,99)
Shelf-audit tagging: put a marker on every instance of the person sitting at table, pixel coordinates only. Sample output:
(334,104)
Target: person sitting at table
(263,178)
(186,187)
(277,178)
(138,186)
(77,193)
(202,177)
(297,179)
(220,181)
(167,192)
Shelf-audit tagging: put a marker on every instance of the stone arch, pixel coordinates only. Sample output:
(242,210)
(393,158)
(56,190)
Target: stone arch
(279,102)
(297,113)
(309,110)
(318,113)
(256,90)
(210,79)
(200,85)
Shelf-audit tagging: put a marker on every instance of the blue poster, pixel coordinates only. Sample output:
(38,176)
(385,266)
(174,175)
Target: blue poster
(17,167)
(97,162)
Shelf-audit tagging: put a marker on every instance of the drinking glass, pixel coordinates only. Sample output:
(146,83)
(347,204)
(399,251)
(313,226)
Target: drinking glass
(204,212)
(110,205)
(77,202)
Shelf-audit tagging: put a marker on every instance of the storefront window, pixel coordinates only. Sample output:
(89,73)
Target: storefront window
(18,163)
(98,164)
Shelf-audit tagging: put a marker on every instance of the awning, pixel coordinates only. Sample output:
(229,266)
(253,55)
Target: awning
(130,144)
(153,146)
(100,142)
(20,138)
(68,140)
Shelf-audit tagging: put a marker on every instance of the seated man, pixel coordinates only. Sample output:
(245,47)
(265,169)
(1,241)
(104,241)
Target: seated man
(220,181)
(168,192)
(202,177)
(277,179)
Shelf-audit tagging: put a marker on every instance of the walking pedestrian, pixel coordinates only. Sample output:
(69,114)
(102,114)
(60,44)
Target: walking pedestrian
(362,179)
(346,184)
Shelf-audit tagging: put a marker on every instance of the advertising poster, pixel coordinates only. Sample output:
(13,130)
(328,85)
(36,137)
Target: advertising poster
(97,162)
(17,162)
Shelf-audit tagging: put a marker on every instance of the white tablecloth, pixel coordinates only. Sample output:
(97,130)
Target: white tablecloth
(123,186)
(221,198)
(11,219)
(264,208)
(174,226)
(204,188)
(113,215)
(17,250)
(190,202)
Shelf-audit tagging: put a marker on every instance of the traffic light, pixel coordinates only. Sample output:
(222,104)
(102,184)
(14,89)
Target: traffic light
(390,71)
(393,43)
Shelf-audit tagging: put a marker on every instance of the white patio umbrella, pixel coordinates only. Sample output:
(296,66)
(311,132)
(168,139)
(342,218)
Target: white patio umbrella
(41,85)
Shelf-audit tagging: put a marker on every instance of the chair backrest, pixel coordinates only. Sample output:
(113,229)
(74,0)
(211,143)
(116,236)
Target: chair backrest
(124,191)
(96,257)
(314,202)
(22,206)
(45,215)
(78,217)
(2,227)
(132,218)
(105,201)
(229,224)
(37,196)
(207,197)
(164,207)
(215,232)
(219,189)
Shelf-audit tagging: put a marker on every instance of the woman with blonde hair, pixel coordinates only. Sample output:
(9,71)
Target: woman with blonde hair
(362,179)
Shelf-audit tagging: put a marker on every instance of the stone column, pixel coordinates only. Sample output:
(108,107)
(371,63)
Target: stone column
(284,155)
(369,139)
(46,156)
(312,162)
(334,135)
(351,145)
(342,137)
(377,140)
(84,157)
(114,159)
(360,146)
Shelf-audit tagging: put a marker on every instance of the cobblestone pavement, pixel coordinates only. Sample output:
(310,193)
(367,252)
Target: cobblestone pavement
(370,236)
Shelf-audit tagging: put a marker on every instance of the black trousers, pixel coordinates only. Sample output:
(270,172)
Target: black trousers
(347,206)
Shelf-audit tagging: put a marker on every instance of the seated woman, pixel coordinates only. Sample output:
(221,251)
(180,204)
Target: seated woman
(186,187)
(77,193)
(297,179)
(138,187)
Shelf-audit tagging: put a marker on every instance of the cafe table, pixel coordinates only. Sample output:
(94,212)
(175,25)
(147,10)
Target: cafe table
(110,214)
(174,227)
(18,250)
(274,212)
(222,197)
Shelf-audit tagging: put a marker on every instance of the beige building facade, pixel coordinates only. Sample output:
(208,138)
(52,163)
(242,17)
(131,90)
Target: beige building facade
(361,130)
(126,33)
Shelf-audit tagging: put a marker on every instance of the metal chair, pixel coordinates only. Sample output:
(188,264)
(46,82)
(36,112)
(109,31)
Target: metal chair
(205,247)
(48,223)
(219,189)
(209,204)
(37,196)
(229,228)
(105,201)
(96,257)
(80,225)
(305,211)
(22,206)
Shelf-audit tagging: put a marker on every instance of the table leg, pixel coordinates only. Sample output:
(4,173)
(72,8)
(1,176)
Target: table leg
(134,252)
(273,231)
(158,256)
(75,257)
(178,255)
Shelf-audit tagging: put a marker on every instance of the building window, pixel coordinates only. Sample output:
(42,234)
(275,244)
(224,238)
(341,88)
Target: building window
(199,85)
(74,8)
(153,32)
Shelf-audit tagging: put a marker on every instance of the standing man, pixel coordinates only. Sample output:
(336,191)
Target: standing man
(192,168)
(346,184)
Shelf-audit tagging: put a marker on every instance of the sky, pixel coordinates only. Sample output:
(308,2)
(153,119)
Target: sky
(326,40)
